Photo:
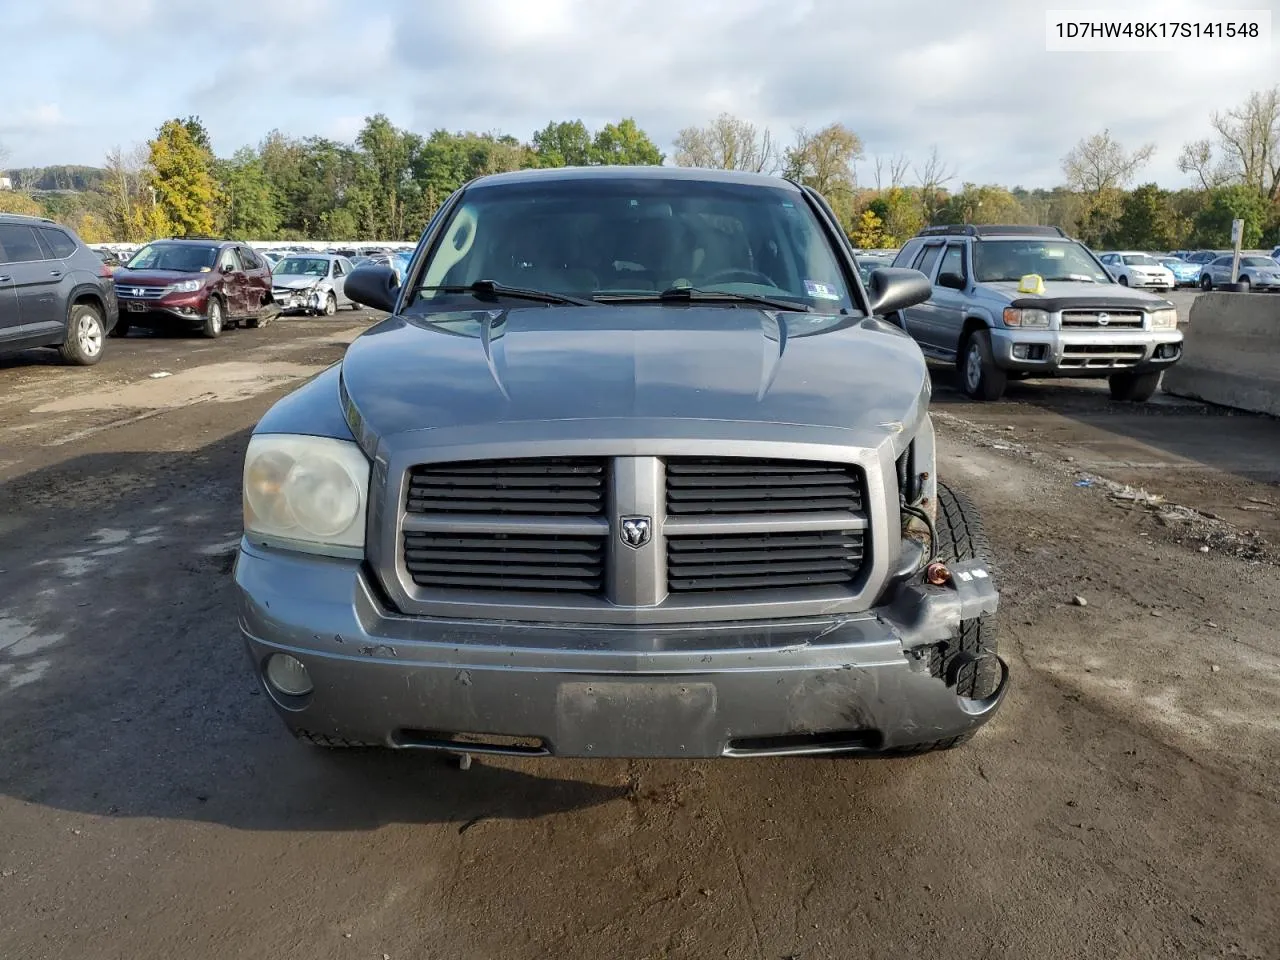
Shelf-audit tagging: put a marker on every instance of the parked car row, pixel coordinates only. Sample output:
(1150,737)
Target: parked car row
(56,291)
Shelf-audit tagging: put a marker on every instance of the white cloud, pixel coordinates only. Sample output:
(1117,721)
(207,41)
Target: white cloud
(975,78)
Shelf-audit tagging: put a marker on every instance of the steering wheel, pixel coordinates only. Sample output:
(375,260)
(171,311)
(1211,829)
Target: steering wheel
(738,274)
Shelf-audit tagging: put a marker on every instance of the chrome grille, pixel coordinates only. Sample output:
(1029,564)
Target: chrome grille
(500,561)
(1092,320)
(773,561)
(138,292)
(546,487)
(1095,356)
(709,486)
(632,538)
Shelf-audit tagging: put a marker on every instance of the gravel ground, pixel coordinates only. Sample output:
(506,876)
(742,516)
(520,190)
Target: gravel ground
(1124,803)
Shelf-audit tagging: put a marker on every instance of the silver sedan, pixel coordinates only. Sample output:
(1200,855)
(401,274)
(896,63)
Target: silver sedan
(1256,273)
(314,283)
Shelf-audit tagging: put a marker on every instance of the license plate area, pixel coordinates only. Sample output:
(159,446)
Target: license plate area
(134,307)
(636,718)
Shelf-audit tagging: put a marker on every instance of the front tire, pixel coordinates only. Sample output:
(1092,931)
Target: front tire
(330,305)
(962,536)
(1134,387)
(85,336)
(213,319)
(981,378)
(1244,285)
(1206,283)
(1124,280)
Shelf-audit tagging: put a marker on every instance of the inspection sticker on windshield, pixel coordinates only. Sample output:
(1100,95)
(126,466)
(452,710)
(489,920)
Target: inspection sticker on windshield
(820,291)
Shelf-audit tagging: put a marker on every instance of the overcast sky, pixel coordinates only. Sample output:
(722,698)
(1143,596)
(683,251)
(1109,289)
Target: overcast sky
(80,76)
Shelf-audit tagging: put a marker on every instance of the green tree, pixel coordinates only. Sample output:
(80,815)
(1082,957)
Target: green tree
(564,144)
(987,203)
(868,233)
(1147,220)
(248,203)
(1236,202)
(11,201)
(899,211)
(824,159)
(624,143)
(181,176)
(199,134)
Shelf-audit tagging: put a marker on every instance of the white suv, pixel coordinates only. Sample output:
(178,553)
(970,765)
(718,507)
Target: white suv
(1133,268)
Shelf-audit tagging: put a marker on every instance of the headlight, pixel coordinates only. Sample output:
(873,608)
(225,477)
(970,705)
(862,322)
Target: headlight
(308,491)
(1013,317)
(185,286)
(1164,319)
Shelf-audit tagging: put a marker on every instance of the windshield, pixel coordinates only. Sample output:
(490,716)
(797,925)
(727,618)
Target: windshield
(302,266)
(1173,262)
(180,257)
(1140,260)
(638,236)
(997,260)
(1257,262)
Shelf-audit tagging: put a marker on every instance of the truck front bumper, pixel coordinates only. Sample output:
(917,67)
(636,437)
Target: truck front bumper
(1085,353)
(816,685)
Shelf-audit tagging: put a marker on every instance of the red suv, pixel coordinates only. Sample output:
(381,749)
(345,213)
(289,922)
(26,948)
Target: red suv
(205,285)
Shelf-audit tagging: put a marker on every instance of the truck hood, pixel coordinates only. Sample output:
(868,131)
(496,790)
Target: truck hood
(1079,294)
(621,361)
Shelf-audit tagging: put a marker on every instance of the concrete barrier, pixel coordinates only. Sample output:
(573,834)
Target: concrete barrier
(1231,354)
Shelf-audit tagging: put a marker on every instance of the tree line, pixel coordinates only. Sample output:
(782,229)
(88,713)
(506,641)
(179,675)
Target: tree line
(387,182)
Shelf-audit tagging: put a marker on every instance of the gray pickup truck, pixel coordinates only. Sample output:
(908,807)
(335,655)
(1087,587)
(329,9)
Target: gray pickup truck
(633,468)
(1018,302)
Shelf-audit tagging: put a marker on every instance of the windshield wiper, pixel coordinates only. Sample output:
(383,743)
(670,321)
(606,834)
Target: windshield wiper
(693,295)
(492,290)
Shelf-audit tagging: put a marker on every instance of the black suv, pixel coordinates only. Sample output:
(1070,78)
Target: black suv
(54,291)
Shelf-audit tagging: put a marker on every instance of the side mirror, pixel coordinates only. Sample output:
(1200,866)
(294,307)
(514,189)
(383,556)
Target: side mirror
(896,288)
(374,285)
(953,281)
(225,268)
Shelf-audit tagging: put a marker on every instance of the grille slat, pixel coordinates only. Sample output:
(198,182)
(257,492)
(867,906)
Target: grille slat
(547,487)
(763,561)
(493,561)
(723,486)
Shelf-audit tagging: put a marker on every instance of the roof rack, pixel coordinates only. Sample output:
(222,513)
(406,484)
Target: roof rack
(990,230)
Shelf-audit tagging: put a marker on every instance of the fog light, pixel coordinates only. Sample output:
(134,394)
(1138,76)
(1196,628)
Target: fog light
(1020,351)
(288,675)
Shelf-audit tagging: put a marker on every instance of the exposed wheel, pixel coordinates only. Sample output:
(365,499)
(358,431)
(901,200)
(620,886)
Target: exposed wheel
(330,305)
(85,336)
(961,536)
(213,318)
(121,329)
(1134,387)
(981,378)
(1124,280)
(1244,284)
(1206,282)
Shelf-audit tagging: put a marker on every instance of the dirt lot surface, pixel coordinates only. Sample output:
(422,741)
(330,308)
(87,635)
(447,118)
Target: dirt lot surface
(1124,803)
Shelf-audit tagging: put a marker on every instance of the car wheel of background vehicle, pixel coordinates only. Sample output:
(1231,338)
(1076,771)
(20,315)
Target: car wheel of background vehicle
(1244,284)
(330,305)
(212,325)
(1134,387)
(961,536)
(1206,283)
(1124,281)
(121,329)
(981,378)
(85,336)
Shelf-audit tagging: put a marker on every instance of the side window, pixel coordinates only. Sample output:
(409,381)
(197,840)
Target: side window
(228,258)
(57,241)
(19,243)
(249,258)
(907,254)
(337,268)
(952,262)
(928,259)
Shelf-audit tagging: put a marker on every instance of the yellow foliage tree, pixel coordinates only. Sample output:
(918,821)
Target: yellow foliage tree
(13,202)
(869,233)
(181,173)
